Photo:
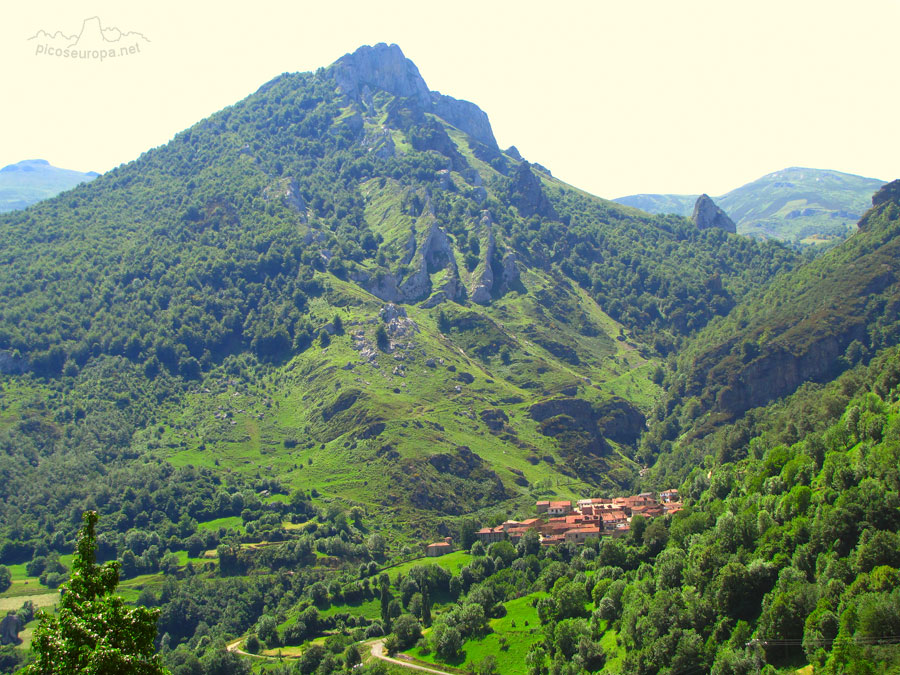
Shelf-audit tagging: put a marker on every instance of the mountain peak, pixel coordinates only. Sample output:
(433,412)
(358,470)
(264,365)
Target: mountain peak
(707,215)
(26,165)
(385,67)
(381,67)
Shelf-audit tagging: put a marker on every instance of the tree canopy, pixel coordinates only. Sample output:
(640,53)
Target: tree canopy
(95,633)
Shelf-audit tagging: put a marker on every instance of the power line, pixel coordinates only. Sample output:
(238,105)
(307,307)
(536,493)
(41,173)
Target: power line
(794,642)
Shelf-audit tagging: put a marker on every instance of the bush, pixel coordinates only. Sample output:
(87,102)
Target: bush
(252,644)
(391,644)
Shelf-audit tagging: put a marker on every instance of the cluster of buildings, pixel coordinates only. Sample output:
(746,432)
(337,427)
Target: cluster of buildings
(562,522)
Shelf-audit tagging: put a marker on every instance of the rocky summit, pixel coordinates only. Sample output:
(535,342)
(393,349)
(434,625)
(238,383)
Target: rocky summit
(707,215)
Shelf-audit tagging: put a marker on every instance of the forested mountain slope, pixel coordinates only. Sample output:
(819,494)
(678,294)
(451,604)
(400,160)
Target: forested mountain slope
(335,320)
(353,255)
(809,324)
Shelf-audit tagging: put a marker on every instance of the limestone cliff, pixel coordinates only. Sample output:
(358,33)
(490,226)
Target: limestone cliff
(707,215)
(385,67)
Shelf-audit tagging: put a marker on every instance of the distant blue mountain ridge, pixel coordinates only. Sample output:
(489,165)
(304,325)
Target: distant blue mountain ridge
(801,205)
(31,180)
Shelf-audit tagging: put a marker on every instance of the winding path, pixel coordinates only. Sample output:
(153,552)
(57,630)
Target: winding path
(378,653)
(376,648)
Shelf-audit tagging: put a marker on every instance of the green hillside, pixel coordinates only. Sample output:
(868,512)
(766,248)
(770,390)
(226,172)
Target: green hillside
(31,180)
(786,558)
(799,205)
(334,322)
(808,324)
(482,305)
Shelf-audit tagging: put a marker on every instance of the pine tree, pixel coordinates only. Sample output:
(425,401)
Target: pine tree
(426,606)
(95,633)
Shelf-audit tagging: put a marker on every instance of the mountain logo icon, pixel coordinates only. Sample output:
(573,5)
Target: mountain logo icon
(92,42)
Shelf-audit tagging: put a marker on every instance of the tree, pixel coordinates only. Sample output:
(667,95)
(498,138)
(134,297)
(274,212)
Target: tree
(381,339)
(352,657)
(94,632)
(407,630)
(446,641)
(5,578)
(311,658)
(487,665)
(426,606)
(386,597)
(252,644)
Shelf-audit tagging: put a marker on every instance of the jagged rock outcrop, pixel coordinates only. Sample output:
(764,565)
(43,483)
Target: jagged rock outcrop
(435,253)
(778,373)
(615,419)
(513,152)
(484,283)
(466,117)
(527,194)
(288,190)
(488,283)
(707,215)
(381,144)
(11,364)
(397,324)
(385,67)
(511,277)
(380,67)
(889,192)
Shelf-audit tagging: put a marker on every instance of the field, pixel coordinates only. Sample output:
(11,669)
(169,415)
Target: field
(509,640)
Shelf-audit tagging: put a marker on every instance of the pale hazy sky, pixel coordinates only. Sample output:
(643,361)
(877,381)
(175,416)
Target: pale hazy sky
(615,97)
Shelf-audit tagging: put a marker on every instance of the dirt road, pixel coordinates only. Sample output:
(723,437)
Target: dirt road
(378,653)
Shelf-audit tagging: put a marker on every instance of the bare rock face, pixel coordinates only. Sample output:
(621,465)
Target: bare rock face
(12,364)
(616,418)
(527,194)
(707,215)
(511,279)
(484,284)
(887,193)
(381,67)
(466,117)
(288,190)
(381,144)
(513,152)
(385,67)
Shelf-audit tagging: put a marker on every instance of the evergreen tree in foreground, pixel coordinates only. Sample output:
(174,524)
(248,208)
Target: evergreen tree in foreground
(95,633)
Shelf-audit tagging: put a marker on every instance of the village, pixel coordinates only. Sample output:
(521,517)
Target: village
(560,522)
